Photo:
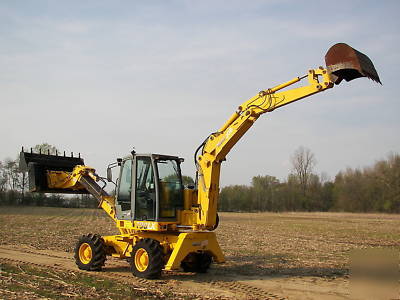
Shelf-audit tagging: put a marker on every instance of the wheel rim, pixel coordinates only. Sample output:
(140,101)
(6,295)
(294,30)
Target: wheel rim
(141,260)
(85,253)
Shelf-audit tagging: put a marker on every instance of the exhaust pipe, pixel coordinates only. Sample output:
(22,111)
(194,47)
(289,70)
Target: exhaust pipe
(345,62)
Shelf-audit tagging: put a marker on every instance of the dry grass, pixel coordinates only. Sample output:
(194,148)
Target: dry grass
(300,244)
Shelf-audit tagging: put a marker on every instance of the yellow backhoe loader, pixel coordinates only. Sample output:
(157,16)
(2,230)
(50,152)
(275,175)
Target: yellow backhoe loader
(162,224)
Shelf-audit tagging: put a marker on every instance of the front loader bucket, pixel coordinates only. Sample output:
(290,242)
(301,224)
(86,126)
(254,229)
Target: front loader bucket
(37,165)
(345,62)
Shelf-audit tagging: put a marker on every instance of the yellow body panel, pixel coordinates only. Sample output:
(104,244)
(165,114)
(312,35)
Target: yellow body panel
(69,180)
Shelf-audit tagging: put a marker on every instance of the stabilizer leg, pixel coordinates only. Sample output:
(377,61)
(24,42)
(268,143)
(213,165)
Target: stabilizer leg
(194,242)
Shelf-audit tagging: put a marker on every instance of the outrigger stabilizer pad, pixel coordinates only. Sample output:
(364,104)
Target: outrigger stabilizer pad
(345,62)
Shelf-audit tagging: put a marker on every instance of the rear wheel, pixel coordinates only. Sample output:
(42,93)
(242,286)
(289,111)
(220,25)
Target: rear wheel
(147,259)
(89,252)
(197,262)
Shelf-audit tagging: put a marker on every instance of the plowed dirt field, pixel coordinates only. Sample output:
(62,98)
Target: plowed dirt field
(269,256)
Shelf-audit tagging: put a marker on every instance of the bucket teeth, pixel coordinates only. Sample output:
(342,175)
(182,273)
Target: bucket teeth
(345,62)
(50,162)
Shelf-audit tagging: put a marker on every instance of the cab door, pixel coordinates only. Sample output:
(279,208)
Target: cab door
(145,189)
(124,191)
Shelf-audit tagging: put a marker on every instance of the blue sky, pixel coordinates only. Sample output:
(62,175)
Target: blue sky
(101,77)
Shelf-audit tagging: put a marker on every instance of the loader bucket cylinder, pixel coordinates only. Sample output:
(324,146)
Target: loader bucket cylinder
(37,166)
(345,62)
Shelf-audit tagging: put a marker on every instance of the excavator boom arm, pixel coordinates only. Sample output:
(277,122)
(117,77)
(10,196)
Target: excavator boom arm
(220,143)
(342,61)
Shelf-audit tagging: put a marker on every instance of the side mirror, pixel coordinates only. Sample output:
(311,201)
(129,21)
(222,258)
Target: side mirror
(109,174)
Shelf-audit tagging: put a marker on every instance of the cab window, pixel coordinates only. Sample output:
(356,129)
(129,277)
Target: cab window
(125,185)
(145,190)
(170,186)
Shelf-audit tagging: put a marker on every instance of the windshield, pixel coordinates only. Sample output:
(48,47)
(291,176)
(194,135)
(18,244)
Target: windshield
(170,184)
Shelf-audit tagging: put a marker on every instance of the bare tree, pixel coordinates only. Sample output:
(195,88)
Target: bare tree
(23,178)
(303,162)
(11,173)
(3,178)
(45,148)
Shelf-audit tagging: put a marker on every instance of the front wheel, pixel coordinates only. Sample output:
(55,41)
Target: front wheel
(89,252)
(147,259)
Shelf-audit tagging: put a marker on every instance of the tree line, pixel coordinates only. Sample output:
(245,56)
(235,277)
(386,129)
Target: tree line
(14,186)
(372,189)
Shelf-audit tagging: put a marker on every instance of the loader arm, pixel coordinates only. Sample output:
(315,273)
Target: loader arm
(218,144)
(63,174)
(82,178)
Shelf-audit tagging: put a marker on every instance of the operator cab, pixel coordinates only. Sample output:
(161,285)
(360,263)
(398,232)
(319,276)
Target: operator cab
(149,188)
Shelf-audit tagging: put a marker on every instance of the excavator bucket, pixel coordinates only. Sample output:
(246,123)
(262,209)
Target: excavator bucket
(37,165)
(345,62)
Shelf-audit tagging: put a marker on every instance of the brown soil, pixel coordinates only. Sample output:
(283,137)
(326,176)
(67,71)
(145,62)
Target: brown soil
(205,286)
(269,256)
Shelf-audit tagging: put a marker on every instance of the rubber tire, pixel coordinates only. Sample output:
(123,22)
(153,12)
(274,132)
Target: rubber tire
(98,253)
(156,259)
(197,262)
